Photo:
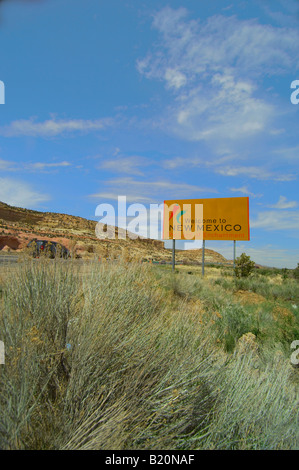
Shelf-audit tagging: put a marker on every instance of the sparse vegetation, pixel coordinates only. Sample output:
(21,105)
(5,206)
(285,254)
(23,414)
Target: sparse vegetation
(130,356)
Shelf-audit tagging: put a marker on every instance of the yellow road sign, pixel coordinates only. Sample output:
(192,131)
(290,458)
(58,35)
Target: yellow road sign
(207,219)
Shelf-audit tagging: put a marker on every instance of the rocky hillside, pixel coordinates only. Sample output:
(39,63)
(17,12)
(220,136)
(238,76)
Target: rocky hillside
(18,226)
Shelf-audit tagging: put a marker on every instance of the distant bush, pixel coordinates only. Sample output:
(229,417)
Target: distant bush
(244,266)
(264,271)
(296,272)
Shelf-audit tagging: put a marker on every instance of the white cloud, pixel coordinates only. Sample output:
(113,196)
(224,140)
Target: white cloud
(129,165)
(276,220)
(288,153)
(38,166)
(5,165)
(52,127)
(245,190)
(178,162)
(20,194)
(105,196)
(225,111)
(214,68)
(149,191)
(287,13)
(283,204)
(195,47)
(44,166)
(254,172)
(175,79)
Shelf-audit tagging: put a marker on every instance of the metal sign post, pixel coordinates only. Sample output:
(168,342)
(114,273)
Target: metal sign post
(173,254)
(203,258)
(234,257)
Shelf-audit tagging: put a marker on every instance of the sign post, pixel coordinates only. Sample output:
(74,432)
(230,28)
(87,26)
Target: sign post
(173,254)
(203,258)
(234,257)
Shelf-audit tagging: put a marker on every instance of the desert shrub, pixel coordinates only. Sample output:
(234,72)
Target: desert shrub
(244,266)
(257,407)
(286,291)
(92,357)
(258,285)
(285,274)
(264,271)
(180,284)
(36,306)
(223,282)
(232,322)
(296,272)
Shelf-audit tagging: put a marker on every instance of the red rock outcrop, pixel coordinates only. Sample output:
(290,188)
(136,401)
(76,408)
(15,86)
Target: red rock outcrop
(7,242)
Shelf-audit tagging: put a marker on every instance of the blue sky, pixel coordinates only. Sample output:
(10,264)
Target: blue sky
(154,100)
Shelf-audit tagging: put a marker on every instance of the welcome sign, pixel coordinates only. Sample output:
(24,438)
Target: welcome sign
(206,219)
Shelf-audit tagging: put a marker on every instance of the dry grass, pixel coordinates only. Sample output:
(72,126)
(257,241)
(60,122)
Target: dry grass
(128,356)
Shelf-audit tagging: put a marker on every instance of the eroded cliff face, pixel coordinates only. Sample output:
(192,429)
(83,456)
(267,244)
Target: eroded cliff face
(18,226)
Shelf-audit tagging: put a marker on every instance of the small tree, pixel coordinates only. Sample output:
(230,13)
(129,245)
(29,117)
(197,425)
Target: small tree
(285,274)
(244,266)
(296,272)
